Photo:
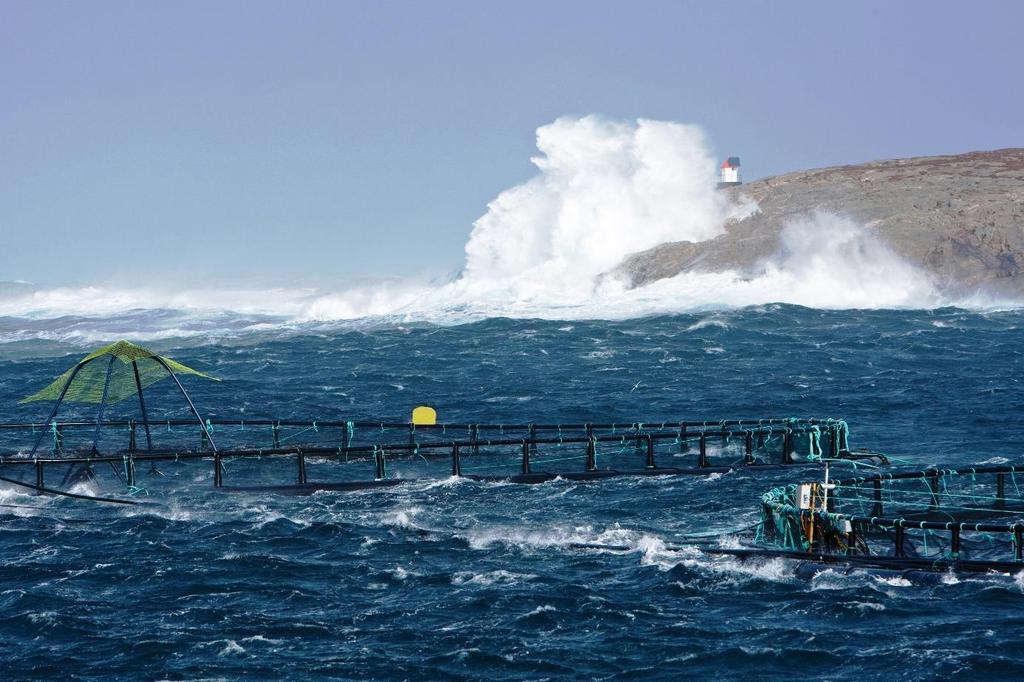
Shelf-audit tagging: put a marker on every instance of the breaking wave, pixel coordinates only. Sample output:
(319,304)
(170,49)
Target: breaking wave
(543,249)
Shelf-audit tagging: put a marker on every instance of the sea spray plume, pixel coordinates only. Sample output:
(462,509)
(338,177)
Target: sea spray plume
(823,260)
(375,299)
(830,261)
(605,190)
(546,248)
(106,301)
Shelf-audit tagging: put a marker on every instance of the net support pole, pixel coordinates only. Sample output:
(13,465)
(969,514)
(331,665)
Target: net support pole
(103,404)
(192,407)
(218,472)
(650,451)
(142,405)
(877,510)
(526,457)
(56,405)
(456,460)
(591,461)
(1000,491)
(702,454)
(933,486)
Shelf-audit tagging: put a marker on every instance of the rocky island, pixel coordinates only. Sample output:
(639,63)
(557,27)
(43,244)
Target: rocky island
(958,218)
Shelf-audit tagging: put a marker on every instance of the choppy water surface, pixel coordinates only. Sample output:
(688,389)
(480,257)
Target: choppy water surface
(454,579)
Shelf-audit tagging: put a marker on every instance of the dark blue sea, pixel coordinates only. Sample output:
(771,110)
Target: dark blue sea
(452,579)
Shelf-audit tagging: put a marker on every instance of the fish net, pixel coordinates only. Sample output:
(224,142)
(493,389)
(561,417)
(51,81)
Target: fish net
(111,374)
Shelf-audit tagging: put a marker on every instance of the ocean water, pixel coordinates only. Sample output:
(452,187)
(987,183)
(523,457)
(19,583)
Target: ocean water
(452,579)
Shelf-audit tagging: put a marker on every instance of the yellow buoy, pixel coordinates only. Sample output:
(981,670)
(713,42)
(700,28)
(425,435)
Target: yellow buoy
(424,415)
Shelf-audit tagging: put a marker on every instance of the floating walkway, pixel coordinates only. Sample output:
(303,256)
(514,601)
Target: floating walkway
(920,521)
(305,456)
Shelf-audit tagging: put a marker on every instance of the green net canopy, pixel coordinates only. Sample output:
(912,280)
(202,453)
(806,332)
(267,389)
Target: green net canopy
(123,359)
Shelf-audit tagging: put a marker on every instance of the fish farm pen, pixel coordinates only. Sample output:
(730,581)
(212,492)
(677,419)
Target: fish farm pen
(924,521)
(969,519)
(293,456)
(303,456)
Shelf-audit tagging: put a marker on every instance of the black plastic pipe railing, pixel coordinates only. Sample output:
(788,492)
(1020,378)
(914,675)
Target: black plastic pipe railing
(378,453)
(334,423)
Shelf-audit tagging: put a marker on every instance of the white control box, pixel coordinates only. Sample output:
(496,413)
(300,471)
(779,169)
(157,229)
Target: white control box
(804,495)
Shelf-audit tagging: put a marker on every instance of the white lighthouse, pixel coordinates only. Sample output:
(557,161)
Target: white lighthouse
(730,172)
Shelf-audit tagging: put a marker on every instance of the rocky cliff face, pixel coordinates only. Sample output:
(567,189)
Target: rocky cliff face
(959,218)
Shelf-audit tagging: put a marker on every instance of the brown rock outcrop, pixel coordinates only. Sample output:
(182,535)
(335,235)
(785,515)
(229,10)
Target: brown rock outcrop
(960,218)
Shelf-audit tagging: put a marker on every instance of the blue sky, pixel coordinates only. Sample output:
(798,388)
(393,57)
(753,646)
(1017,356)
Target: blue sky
(259,142)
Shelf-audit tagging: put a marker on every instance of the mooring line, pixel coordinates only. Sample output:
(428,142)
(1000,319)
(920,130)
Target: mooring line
(51,491)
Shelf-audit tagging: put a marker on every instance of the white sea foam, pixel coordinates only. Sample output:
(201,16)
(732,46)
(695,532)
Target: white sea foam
(262,640)
(45,618)
(707,322)
(829,579)
(499,577)
(728,569)
(231,648)
(401,573)
(543,249)
(894,581)
(651,549)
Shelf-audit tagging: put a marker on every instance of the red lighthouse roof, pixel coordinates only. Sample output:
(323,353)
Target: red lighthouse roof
(731,162)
